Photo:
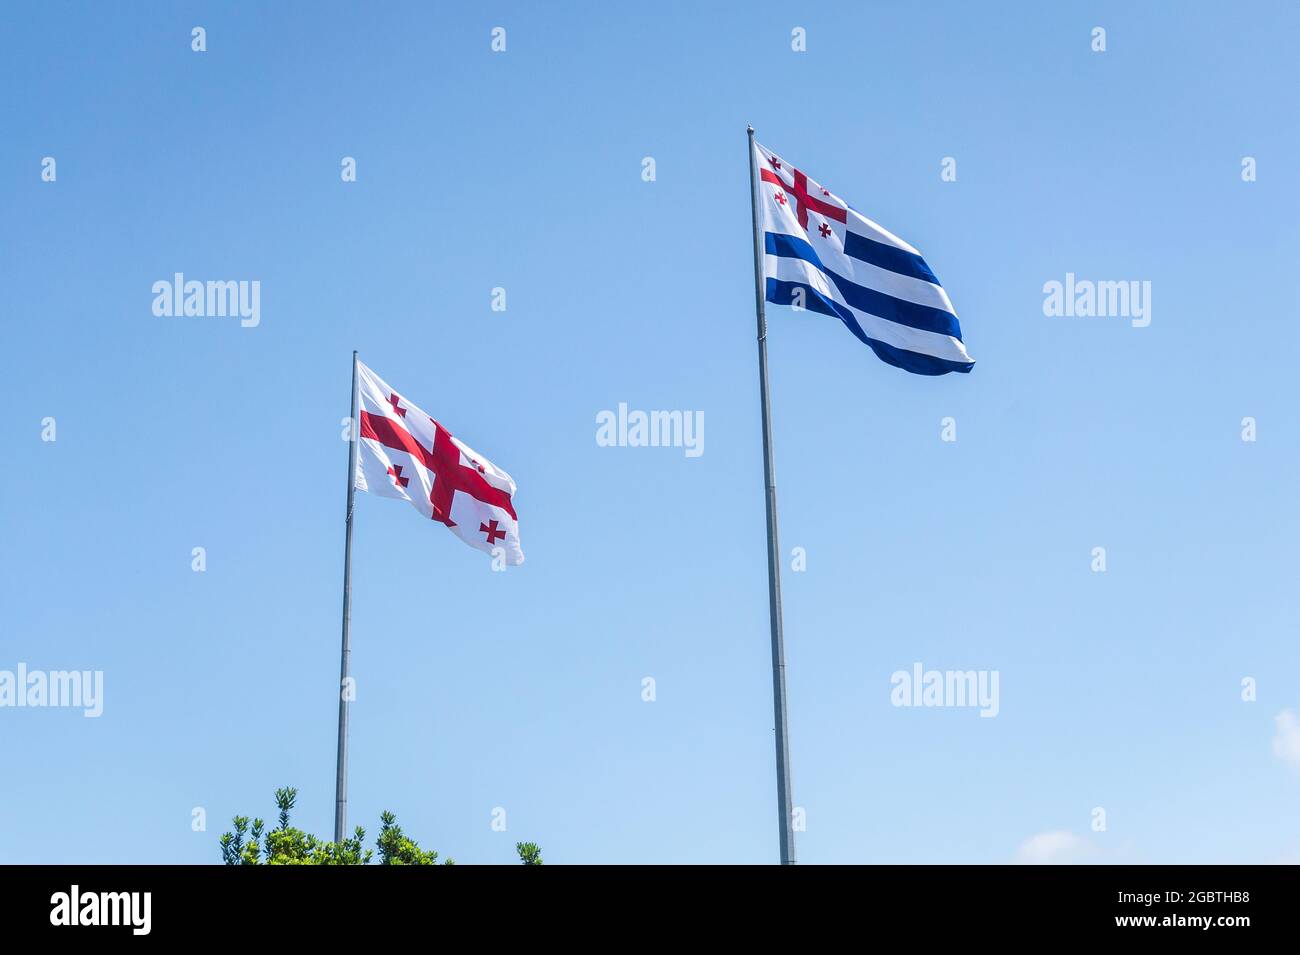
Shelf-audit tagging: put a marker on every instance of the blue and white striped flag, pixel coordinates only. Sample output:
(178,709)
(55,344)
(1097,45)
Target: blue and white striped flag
(821,255)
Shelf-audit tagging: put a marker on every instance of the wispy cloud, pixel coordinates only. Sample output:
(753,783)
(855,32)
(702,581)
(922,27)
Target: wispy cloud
(1058,847)
(1286,741)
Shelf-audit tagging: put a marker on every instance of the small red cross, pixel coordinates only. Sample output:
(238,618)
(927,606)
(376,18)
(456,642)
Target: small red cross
(824,229)
(780,198)
(776,163)
(396,473)
(493,532)
(392,400)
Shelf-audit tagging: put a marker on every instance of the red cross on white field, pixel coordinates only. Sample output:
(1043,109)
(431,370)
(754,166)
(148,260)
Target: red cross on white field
(799,193)
(443,460)
(402,451)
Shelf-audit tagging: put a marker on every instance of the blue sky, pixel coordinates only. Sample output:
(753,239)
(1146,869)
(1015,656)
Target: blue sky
(522,170)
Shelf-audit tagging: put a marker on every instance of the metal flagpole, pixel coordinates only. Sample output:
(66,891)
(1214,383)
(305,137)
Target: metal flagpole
(341,781)
(784,807)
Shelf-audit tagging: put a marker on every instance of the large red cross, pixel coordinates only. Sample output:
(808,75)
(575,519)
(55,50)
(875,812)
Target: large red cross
(802,201)
(450,475)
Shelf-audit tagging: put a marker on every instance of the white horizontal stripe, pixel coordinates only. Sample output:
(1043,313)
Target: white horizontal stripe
(863,226)
(909,289)
(882,330)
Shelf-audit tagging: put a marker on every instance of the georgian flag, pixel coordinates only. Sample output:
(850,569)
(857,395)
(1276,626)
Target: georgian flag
(821,255)
(404,453)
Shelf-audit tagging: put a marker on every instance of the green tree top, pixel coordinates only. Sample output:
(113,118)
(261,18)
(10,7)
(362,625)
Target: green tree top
(251,844)
(529,853)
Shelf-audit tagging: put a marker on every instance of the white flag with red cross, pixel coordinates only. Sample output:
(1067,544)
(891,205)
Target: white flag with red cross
(404,453)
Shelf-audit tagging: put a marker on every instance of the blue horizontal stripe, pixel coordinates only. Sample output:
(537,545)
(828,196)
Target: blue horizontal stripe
(782,293)
(865,299)
(887,257)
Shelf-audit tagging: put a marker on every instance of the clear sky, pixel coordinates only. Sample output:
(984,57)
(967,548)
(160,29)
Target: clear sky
(523,170)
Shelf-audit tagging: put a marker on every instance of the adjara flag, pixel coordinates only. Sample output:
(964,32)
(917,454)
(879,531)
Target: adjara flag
(821,254)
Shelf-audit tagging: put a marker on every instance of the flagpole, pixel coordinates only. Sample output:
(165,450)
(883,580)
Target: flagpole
(783,802)
(341,780)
